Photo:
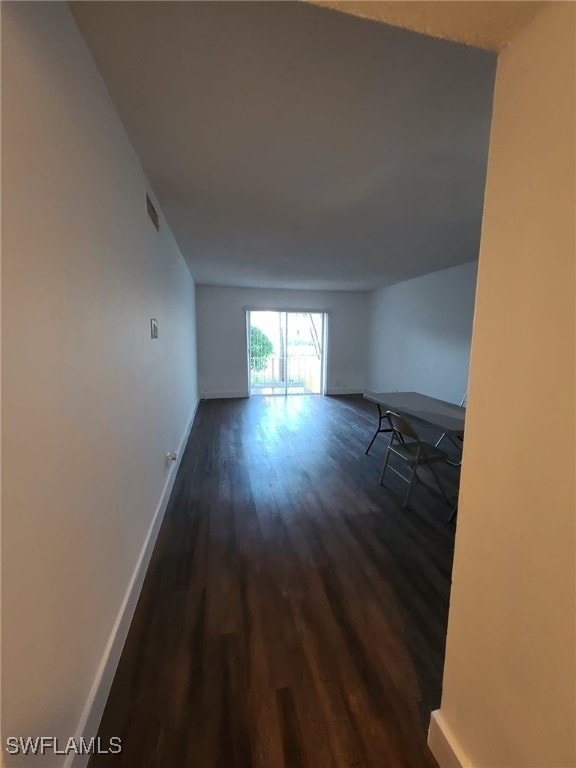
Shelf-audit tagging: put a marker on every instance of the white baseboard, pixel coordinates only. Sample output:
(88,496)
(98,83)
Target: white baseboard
(444,745)
(344,391)
(222,395)
(94,707)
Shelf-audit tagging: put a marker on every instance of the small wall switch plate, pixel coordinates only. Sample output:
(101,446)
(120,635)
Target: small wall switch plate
(153,328)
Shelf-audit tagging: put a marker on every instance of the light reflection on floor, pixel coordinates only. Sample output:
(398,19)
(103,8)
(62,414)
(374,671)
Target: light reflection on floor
(280,391)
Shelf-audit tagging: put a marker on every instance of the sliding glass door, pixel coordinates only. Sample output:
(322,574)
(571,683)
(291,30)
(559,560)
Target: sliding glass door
(286,352)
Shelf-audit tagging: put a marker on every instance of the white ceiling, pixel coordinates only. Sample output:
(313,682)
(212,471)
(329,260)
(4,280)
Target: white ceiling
(292,146)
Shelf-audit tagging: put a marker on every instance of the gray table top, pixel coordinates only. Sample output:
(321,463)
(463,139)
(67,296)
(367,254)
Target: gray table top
(447,417)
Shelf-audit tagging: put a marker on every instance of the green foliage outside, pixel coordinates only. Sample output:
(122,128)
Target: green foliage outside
(260,349)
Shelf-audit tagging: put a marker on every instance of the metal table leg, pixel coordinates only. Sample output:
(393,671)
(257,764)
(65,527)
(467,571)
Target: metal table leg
(381,416)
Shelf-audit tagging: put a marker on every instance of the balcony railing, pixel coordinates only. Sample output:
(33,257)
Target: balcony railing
(294,374)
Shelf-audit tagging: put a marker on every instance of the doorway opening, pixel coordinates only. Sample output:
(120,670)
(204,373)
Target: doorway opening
(286,352)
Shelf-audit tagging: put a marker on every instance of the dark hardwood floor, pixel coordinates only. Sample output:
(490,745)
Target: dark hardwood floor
(293,615)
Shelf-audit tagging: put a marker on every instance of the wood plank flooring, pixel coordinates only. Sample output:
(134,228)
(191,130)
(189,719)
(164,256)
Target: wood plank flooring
(293,615)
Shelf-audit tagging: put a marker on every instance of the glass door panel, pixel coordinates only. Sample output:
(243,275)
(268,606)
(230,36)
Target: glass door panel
(286,355)
(304,333)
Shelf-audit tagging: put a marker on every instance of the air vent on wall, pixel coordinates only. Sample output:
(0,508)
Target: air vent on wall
(152,213)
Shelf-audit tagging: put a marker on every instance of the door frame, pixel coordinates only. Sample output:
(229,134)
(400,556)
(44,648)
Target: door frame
(323,362)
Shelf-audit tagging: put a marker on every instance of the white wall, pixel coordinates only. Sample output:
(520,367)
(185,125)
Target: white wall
(222,358)
(90,403)
(510,676)
(420,332)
